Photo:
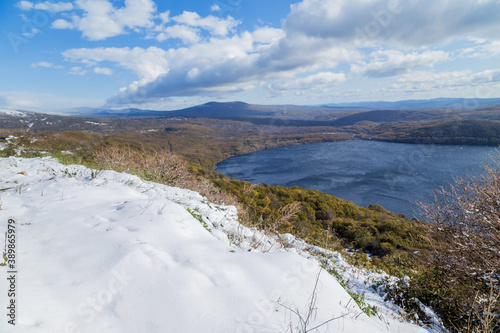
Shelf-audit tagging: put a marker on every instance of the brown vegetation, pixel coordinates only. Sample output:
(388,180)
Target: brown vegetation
(460,278)
(465,232)
(161,167)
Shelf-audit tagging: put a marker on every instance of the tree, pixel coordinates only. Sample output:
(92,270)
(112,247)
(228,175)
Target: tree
(465,237)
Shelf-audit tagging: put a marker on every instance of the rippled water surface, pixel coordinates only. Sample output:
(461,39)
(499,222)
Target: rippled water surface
(393,175)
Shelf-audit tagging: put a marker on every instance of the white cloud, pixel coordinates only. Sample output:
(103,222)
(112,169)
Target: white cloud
(477,85)
(484,50)
(30,101)
(136,13)
(218,65)
(147,64)
(267,35)
(320,80)
(215,8)
(25,5)
(394,22)
(187,34)
(44,64)
(436,79)
(428,84)
(487,76)
(77,70)
(102,20)
(31,32)
(54,7)
(189,25)
(213,24)
(61,24)
(393,63)
(103,71)
(165,16)
(228,65)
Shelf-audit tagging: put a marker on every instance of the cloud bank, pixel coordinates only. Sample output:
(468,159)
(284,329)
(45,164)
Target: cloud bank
(373,39)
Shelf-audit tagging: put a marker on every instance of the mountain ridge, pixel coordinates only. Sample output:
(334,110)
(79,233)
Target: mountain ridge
(240,109)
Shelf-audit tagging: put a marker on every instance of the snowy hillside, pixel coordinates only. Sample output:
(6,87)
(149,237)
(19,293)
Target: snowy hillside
(10,112)
(108,252)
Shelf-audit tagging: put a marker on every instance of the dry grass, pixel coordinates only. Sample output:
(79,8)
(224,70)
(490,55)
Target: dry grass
(283,218)
(166,168)
(161,167)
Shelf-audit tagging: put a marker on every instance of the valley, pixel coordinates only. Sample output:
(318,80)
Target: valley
(182,149)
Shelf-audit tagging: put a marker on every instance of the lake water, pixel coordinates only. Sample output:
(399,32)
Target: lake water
(392,175)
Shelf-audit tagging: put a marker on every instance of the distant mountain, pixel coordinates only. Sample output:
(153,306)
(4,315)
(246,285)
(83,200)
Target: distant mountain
(229,110)
(303,115)
(437,103)
(208,110)
(221,110)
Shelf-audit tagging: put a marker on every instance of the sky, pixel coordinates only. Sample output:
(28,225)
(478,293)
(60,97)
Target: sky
(166,55)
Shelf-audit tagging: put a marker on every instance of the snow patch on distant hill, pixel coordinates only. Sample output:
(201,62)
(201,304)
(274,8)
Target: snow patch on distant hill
(15,113)
(108,252)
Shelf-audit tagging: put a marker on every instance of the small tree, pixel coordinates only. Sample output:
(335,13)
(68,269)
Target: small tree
(465,236)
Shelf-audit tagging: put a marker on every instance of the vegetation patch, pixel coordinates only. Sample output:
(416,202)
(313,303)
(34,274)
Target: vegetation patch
(390,238)
(200,219)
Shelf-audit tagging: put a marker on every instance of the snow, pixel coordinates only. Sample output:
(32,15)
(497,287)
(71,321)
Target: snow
(108,252)
(10,112)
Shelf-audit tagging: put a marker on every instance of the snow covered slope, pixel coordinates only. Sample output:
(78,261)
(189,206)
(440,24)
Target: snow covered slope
(10,112)
(108,252)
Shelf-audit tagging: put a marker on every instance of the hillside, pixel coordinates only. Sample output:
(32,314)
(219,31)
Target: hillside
(436,103)
(461,132)
(391,116)
(108,252)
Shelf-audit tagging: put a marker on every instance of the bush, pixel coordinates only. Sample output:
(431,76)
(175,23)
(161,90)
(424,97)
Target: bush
(373,229)
(463,282)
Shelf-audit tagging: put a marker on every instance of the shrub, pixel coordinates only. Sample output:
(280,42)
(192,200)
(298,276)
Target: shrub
(462,283)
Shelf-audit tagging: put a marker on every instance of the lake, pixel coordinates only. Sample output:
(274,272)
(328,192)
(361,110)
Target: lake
(392,175)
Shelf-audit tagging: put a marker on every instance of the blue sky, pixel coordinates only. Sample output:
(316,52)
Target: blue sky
(164,55)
